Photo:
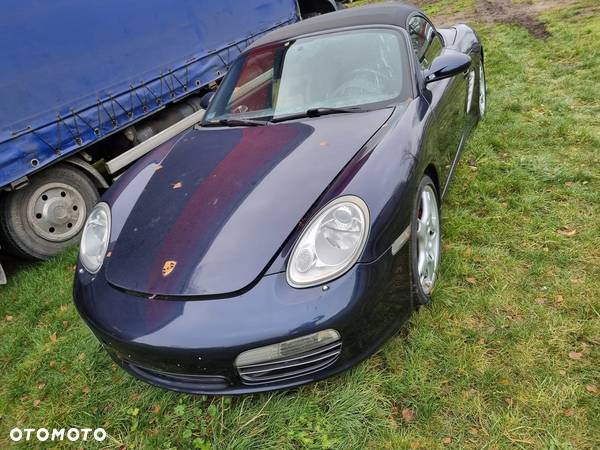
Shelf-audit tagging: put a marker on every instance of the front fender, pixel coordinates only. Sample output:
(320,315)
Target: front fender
(385,174)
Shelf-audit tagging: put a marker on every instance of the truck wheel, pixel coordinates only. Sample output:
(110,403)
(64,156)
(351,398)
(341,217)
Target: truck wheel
(48,215)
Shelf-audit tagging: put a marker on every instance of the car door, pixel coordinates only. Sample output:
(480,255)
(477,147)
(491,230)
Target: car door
(446,97)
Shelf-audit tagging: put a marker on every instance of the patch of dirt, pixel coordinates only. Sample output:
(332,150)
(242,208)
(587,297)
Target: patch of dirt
(524,14)
(504,11)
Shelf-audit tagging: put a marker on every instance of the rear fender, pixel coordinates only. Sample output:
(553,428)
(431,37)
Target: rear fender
(466,40)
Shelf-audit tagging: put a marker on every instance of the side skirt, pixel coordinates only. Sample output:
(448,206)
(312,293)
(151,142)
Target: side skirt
(459,150)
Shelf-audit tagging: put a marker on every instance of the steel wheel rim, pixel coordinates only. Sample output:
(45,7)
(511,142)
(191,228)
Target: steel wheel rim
(428,239)
(56,212)
(482,98)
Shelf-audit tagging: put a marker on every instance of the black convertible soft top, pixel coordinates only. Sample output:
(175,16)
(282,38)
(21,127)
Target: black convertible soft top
(392,13)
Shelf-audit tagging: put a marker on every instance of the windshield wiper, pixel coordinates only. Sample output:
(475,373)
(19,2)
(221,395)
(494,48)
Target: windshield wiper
(316,112)
(234,123)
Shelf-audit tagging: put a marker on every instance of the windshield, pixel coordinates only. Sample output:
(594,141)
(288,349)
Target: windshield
(338,70)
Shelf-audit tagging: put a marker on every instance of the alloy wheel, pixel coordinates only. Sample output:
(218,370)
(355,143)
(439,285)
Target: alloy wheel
(428,239)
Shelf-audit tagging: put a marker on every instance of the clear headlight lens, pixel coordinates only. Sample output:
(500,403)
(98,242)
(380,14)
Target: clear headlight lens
(95,238)
(331,243)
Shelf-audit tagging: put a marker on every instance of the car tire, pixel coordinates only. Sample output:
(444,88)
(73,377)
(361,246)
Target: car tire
(425,241)
(46,216)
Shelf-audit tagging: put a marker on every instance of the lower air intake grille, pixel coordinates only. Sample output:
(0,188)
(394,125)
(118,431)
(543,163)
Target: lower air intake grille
(175,380)
(291,367)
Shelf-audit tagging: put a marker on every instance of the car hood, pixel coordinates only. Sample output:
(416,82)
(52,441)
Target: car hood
(205,213)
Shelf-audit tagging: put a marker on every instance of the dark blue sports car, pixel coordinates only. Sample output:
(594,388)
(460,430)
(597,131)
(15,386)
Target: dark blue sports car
(287,236)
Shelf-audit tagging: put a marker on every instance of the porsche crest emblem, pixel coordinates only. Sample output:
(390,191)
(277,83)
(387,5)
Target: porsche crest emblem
(168,268)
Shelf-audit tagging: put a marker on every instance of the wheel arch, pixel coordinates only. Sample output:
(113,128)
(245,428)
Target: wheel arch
(88,170)
(432,172)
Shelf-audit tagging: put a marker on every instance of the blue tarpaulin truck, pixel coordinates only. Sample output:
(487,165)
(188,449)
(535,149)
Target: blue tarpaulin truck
(87,87)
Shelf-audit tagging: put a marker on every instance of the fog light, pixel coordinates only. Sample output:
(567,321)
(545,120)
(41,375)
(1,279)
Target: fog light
(286,349)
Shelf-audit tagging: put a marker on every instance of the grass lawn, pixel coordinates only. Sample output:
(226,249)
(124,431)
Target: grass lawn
(507,356)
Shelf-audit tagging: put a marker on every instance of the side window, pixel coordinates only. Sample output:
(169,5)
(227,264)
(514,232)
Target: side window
(425,41)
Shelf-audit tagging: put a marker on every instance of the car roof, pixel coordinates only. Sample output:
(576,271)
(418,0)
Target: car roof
(392,13)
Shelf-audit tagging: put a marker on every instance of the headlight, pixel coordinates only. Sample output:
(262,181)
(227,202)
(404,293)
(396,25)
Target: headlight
(94,240)
(331,243)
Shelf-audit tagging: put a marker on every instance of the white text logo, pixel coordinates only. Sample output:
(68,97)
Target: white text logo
(57,434)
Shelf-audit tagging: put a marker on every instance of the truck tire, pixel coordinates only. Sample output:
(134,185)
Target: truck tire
(46,216)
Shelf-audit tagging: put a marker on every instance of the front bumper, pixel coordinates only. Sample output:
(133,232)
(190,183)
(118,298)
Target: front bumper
(190,345)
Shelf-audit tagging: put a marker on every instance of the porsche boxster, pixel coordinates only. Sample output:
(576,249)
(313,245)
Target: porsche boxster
(285,237)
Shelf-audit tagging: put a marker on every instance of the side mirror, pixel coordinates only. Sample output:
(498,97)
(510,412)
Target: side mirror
(447,65)
(206,98)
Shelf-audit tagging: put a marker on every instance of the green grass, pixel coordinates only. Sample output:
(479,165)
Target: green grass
(488,365)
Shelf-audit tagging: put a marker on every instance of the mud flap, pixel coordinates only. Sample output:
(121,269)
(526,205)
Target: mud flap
(2,276)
